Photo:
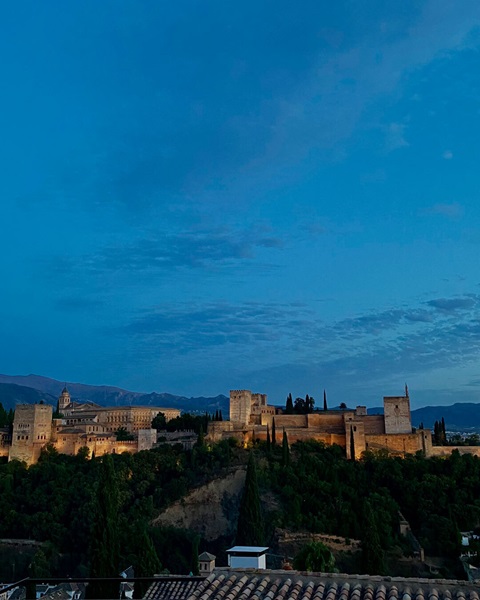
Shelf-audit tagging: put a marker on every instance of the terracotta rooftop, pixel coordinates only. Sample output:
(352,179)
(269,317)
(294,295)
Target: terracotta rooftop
(251,584)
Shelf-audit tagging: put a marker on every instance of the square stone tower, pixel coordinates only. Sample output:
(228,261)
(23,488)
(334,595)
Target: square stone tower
(240,406)
(32,430)
(396,410)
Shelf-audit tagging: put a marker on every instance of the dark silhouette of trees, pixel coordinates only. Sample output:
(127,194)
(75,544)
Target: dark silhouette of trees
(105,535)
(274,433)
(250,520)
(159,422)
(373,556)
(285,450)
(314,557)
(304,406)
(122,435)
(289,405)
(325,407)
(439,433)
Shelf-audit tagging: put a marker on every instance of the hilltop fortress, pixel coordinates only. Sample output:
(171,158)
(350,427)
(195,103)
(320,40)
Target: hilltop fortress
(81,425)
(352,429)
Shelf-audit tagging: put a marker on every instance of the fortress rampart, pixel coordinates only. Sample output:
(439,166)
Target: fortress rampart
(352,429)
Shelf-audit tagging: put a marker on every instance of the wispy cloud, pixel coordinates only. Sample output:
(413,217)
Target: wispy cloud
(188,327)
(450,305)
(452,211)
(167,251)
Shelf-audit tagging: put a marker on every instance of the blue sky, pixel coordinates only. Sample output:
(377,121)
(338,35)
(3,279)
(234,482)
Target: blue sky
(284,197)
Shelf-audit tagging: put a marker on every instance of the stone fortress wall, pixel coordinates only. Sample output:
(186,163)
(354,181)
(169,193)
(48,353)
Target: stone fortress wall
(250,416)
(81,425)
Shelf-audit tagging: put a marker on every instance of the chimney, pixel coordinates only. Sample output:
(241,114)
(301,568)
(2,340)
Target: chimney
(206,563)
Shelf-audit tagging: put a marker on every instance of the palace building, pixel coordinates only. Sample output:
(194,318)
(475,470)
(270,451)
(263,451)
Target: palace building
(81,425)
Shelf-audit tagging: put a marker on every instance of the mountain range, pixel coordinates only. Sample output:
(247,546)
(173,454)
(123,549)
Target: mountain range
(17,389)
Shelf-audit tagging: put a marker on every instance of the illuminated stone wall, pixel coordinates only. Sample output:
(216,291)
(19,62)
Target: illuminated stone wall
(396,410)
(32,429)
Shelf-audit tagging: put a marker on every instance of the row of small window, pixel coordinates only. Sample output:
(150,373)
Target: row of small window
(23,425)
(116,419)
(22,437)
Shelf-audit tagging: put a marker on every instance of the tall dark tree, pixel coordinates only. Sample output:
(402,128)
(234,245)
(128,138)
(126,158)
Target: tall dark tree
(352,444)
(159,422)
(3,416)
(325,400)
(250,520)
(146,563)
(200,438)
(289,405)
(373,557)
(285,450)
(299,406)
(274,437)
(104,539)
(309,403)
(268,440)
(56,413)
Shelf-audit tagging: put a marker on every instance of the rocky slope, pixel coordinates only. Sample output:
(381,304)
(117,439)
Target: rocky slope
(210,510)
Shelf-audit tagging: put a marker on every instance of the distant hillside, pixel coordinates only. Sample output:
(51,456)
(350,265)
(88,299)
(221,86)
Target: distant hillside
(49,390)
(461,416)
(11,394)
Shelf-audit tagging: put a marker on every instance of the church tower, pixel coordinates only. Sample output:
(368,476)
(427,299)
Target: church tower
(64,399)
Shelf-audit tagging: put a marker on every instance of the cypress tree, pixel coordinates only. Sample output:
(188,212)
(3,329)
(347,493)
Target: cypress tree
(250,521)
(436,432)
(325,400)
(352,444)
(285,450)
(268,440)
(289,405)
(104,540)
(373,556)
(146,563)
(274,438)
(200,438)
(3,416)
(220,416)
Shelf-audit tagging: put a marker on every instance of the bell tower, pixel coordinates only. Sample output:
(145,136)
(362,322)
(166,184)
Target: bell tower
(64,399)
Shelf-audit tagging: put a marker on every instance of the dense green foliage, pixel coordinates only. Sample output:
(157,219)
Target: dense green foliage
(159,421)
(322,492)
(6,417)
(122,435)
(250,519)
(68,501)
(315,557)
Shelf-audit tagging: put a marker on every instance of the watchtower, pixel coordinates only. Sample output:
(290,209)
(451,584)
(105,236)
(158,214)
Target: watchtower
(240,406)
(396,410)
(32,430)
